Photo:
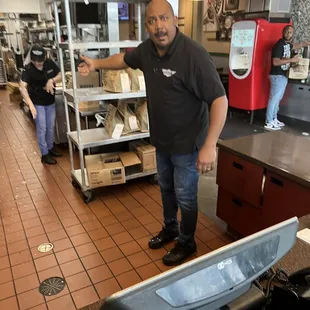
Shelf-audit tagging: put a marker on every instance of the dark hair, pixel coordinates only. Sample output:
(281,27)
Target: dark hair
(286,28)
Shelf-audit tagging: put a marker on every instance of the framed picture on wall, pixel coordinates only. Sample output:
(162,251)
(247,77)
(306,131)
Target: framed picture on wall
(231,5)
(123,11)
(213,9)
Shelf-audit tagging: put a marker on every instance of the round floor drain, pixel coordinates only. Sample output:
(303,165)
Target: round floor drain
(52,286)
(45,247)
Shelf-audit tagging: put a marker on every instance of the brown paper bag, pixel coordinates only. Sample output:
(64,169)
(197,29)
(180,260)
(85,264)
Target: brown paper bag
(131,123)
(137,80)
(68,76)
(116,81)
(142,115)
(113,122)
(300,70)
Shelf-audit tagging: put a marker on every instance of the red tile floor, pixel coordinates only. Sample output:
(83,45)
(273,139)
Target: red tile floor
(99,248)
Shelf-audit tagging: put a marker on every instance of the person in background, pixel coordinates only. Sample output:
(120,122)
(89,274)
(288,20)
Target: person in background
(37,88)
(280,65)
(181,81)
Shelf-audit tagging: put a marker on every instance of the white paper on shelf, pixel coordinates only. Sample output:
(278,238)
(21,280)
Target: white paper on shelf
(117,132)
(141,83)
(304,235)
(133,123)
(125,82)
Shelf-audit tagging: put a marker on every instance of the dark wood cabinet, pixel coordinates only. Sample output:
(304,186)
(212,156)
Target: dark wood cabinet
(240,177)
(240,216)
(262,181)
(283,199)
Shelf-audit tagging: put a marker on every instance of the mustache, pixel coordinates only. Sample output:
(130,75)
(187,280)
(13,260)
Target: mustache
(160,33)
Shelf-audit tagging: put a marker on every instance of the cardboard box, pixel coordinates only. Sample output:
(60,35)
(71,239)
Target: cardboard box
(109,169)
(92,80)
(89,105)
(146,152)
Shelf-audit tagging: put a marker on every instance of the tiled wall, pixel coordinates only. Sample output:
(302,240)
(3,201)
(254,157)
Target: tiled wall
(301,19)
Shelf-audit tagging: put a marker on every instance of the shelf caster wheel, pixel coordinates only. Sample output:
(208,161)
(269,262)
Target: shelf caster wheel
(88,196)
(75,184)
(154,179)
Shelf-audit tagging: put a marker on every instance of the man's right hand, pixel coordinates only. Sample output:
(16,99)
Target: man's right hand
(86,66)
(295,59)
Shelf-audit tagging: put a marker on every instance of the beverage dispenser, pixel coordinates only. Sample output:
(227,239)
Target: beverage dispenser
(250,62)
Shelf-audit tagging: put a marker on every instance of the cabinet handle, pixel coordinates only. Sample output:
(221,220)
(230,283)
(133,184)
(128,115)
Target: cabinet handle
(238,166)
(300,88)
(237,202)
(276,182)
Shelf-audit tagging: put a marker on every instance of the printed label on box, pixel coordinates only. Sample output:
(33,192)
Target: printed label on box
(116,176)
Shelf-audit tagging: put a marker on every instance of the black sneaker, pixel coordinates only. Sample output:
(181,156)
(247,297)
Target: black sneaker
(48,159)
(54,153)
(179,254)
(164,237)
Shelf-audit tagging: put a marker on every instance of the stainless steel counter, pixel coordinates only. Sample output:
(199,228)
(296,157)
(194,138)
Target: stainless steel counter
(296,101)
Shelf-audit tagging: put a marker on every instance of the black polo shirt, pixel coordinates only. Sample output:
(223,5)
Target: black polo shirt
(37,79)
(179,85)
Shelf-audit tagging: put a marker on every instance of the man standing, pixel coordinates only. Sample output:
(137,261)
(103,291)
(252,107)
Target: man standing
(39,79)
(181,80)
(281,62)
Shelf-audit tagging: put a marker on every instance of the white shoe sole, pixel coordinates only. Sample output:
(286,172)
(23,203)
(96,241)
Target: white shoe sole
(272,129)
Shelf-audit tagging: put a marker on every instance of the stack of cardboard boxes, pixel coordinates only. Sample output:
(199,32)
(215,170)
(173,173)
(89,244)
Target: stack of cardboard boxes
(112,169)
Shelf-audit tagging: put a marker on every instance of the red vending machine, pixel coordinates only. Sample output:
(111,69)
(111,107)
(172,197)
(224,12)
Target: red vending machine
(250,62)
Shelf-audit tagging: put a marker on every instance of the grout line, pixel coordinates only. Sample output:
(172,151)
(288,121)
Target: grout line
(55,175)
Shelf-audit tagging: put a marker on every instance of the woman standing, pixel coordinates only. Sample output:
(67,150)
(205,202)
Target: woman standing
(37,88)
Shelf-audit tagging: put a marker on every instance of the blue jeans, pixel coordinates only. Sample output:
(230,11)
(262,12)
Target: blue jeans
(45,124)
(277,89)
(178,181)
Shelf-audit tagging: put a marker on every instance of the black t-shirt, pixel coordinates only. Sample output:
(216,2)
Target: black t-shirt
(37,79)
(281,50)
(179,85)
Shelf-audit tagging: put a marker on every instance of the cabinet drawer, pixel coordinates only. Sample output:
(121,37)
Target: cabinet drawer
(239,215)
(240,177)
(283,199)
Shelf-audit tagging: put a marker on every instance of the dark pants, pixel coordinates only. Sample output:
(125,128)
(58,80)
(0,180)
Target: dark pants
(178,180)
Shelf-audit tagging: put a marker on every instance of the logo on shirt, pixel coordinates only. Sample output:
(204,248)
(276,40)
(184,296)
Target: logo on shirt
(50,71)
(168,72)
(286,55)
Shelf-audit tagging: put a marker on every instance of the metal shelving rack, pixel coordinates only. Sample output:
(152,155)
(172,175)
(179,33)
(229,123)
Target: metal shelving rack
(3,77)
(84,139)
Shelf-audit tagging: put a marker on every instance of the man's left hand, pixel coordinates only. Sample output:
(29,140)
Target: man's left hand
(206,159)
(49,87)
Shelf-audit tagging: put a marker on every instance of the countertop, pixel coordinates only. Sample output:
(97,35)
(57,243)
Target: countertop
(285,154)
(298,82)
